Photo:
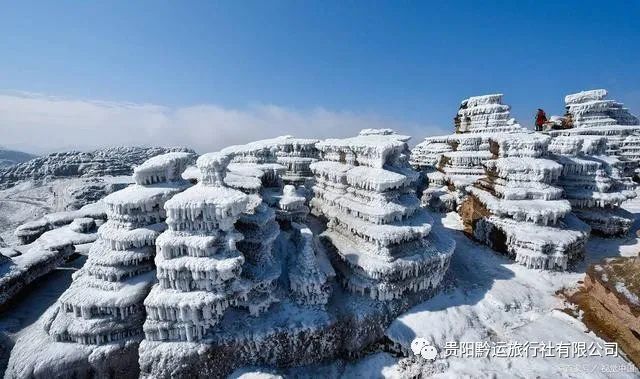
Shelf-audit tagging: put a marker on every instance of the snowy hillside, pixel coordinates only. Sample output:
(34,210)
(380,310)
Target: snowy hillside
(113,161)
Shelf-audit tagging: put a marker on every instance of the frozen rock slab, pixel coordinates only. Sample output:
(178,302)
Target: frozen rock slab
(532,245)
(372,150)
(162,168)
(30,231)
(37,259)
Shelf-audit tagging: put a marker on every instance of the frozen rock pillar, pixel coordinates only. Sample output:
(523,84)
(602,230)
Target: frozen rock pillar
(198,263)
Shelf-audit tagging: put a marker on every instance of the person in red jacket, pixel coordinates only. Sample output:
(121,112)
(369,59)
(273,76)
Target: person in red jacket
(541,118)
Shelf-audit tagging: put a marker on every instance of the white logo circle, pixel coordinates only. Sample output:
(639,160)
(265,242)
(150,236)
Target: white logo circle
(429,352)
(417,345)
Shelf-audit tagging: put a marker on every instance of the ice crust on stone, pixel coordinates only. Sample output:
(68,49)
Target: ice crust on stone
(592,184)
(30,231)
(594,115)
(460,156)
(102,311)
(21,265)
(162,168)
(517,208)
(380,241)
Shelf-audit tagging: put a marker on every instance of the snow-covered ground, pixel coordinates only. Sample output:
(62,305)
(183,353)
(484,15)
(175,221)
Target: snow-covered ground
(488,298)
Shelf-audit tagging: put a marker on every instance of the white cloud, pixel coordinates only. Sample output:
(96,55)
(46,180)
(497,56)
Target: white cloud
(38,123)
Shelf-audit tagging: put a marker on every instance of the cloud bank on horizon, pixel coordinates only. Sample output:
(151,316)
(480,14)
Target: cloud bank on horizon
(40,124)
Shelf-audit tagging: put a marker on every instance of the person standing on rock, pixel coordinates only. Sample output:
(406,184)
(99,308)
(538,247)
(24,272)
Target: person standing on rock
(541,118)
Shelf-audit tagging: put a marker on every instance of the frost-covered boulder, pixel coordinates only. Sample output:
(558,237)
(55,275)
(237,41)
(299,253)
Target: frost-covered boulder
(380,238)
(98,320)
(591,185)
(517,209)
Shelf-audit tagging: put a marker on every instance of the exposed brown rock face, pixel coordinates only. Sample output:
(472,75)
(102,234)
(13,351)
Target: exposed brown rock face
(471,210)
(609,300)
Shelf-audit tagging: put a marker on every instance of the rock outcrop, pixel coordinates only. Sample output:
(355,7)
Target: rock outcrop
(609,302)
(252,295)
(379,236)
(594,193)
(518,209)
(592,114)
(452,163)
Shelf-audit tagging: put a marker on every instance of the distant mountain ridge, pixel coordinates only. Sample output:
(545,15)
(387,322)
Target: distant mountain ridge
(10,158)
(112,161)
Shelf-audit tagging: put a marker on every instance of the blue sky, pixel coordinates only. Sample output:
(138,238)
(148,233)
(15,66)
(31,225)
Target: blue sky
(405,63)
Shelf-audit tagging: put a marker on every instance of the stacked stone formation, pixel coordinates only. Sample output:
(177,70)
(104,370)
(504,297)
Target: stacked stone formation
(459,157)
(297,154)
(518,210)
(594,195)
(104,303)
(630,151)
(259,227)
(486,114)
(380,241)
(293,155)
(593,114)
(285,161)
(198,263)
(433,188)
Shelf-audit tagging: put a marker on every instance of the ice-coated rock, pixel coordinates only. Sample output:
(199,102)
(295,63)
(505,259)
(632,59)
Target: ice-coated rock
(518,209)
(30,231)
(198,262)
(98,320)
(379,238)
(592,114)
(273,290)
(591,183)
(459,157)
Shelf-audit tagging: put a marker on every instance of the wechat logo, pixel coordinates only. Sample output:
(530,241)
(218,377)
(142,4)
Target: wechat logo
(421,346)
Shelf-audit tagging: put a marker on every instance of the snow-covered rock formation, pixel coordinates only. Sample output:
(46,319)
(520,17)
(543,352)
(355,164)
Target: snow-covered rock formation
(309,277)
(297,313)
(379,236)
(595,195)
(113,161)
(97,322)
(198,262)
(294,154)
(21,265)
(517,208)
(630,151)
(452,163)
(30,231)
(593,114)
